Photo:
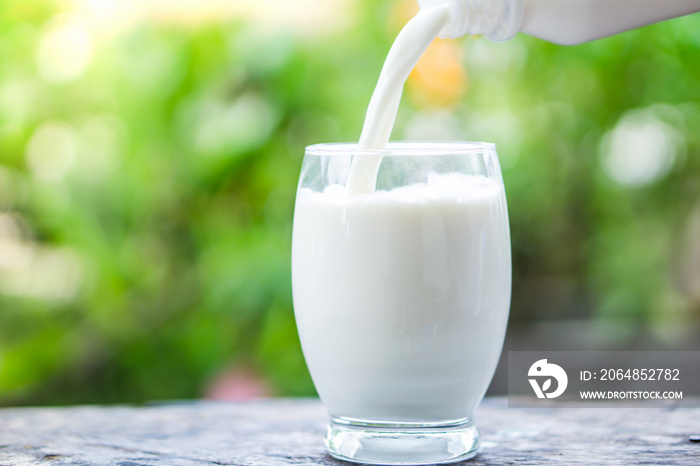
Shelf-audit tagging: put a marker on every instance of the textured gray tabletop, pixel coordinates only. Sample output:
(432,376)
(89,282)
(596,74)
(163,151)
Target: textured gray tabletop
(285,432)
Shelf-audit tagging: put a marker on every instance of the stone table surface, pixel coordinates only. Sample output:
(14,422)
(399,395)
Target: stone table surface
(290,431)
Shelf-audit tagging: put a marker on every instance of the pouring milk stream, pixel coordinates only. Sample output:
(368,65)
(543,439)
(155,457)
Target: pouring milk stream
(564,22)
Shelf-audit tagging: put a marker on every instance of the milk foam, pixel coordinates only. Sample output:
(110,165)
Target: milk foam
(452,187)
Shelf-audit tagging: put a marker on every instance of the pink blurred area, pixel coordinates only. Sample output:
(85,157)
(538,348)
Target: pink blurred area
(237,384)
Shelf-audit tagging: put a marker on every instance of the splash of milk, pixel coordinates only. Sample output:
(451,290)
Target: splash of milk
(407,49)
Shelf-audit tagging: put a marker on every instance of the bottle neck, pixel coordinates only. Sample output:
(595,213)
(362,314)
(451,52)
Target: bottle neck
(498,20)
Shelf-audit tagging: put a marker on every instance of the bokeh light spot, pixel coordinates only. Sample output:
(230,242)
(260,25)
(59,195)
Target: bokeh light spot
(100,141)
(502,127)
(241,126)
(51,151)
(439,78)
(435,125)
(40,273)
(640,149)
(65,50)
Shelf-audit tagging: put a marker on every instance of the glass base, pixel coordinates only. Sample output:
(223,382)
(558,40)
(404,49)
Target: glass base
(405,444)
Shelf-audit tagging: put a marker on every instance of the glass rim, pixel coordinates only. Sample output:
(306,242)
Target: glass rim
(403,148)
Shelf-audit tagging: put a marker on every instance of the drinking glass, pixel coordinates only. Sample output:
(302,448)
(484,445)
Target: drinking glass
(401,295)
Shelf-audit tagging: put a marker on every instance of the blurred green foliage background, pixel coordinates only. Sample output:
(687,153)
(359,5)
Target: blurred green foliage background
(149,154)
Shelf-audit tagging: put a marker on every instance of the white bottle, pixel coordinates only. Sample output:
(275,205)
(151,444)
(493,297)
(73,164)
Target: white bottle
(565,22)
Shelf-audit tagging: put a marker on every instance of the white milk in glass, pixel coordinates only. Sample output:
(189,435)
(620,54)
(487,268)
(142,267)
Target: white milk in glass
(402,296)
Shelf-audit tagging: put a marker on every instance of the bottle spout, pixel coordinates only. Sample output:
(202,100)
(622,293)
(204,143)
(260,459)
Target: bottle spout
(498,20)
